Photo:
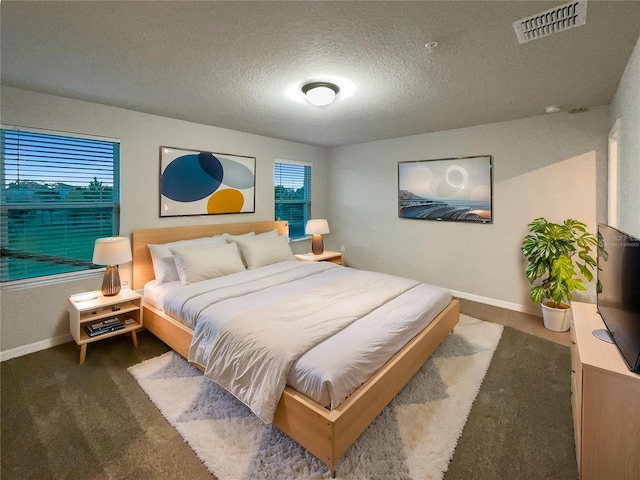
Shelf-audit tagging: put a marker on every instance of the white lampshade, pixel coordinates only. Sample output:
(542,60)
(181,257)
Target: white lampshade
(319,225)
(320,94)
(112,251)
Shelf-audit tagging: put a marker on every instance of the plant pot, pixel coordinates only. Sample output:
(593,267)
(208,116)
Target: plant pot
(556,319)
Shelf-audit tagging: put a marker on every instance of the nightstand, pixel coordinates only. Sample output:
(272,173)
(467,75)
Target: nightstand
(91,307)
(326,256)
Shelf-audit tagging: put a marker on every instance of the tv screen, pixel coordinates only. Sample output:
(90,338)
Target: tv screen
(618,291)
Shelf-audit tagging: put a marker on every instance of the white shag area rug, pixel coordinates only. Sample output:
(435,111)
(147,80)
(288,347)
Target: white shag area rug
(413,438)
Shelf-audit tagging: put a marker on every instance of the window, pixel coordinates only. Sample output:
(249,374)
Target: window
(292,181)
(59,193)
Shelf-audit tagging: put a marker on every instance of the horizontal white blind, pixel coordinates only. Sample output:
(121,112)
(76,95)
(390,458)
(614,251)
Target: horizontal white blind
(292,183)
(59,193)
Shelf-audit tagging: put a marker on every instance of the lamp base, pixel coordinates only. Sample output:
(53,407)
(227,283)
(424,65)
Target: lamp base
(317,244)
(111,281)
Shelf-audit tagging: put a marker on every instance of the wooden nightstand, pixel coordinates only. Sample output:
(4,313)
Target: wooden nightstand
(326,256)
(91,307)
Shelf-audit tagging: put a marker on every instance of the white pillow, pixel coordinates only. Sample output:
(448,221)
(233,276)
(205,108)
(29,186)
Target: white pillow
(164,266)
(201,262)
(232,238)
(261,251)
(271,233)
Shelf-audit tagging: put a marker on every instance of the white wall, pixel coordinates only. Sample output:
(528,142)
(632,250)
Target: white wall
(551,165)
(626,107)
(39,314)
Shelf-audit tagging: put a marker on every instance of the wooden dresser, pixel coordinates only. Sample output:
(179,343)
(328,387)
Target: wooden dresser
(606,403)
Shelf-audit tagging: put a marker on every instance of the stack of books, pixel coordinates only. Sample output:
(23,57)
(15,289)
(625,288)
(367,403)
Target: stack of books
(103,326)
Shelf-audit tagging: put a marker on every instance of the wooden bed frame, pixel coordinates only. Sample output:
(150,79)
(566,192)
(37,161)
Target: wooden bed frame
(327,434)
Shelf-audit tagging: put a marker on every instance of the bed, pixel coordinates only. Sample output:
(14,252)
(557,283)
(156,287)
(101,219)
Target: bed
(326,433)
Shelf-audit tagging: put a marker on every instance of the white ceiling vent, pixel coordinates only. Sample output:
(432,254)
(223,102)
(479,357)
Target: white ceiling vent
(554,20)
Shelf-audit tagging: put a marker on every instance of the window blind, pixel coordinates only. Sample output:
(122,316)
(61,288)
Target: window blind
(59,193)
(292,183)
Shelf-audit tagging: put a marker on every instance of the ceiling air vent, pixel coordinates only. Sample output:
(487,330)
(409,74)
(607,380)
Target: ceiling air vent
(554,20)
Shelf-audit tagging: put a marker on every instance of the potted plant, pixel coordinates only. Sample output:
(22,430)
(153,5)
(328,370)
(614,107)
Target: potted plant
(553,252)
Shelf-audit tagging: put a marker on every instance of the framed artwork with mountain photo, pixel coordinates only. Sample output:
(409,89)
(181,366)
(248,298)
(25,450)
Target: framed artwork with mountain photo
(449,189)
(194,182)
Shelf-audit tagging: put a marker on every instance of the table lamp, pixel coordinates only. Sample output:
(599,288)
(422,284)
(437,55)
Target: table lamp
(317,228)
(111,251)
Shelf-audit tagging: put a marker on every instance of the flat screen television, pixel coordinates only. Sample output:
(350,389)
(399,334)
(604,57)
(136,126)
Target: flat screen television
(618,291)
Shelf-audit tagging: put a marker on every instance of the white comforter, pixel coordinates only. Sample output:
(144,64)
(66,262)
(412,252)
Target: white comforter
(251,327)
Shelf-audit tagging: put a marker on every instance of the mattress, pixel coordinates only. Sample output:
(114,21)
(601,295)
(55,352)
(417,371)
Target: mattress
(333,369)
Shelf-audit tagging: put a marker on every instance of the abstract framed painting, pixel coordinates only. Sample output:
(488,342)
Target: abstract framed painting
(448,189)
(195,182)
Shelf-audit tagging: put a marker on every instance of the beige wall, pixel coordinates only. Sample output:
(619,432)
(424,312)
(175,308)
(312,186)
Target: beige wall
(626,107)
(38,314)
(551,165)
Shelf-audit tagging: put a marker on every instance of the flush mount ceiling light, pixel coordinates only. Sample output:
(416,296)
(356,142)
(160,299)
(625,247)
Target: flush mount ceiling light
(320,93)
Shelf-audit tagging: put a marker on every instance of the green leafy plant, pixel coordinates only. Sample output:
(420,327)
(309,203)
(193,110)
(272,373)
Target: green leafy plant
(551,251)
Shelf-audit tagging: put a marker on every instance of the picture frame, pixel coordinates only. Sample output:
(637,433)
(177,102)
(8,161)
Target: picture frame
(199,182)
(458,189)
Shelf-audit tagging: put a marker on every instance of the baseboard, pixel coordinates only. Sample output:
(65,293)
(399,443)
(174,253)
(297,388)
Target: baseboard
(516,307)
(35,347)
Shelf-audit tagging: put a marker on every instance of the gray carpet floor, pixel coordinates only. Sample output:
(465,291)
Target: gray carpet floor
(60,420)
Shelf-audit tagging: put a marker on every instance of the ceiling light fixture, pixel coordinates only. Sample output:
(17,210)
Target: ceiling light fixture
(320,93)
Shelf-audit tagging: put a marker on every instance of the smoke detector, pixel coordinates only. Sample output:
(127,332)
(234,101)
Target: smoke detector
(564,17)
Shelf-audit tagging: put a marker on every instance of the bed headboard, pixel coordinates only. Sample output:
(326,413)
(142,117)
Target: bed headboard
(142,266)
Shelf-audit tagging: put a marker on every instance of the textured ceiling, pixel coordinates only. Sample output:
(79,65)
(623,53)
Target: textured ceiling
(240,65)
